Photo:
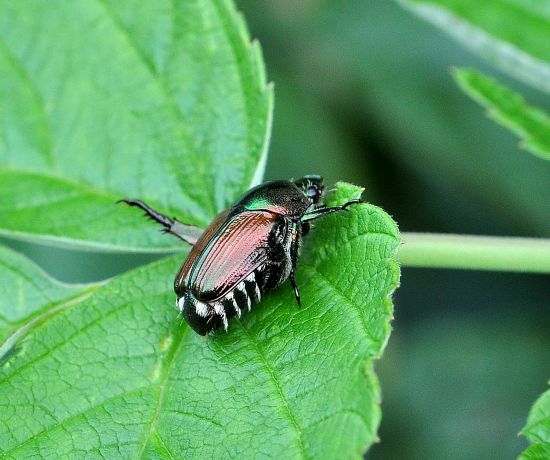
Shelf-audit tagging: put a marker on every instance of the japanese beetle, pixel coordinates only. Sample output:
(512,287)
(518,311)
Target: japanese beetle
(249,249)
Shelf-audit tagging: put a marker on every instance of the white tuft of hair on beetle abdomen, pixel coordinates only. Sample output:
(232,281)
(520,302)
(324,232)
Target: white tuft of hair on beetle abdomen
(230,302)
(220,311)
(242,296)
(201,309)
(252,287)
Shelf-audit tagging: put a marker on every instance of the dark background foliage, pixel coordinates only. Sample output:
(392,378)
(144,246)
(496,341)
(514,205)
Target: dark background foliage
(364,94)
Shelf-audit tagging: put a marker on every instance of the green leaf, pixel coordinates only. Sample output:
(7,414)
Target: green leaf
(539,451)
(64,213)
(109,99)
(27,292)
(511,34)
(118,375)
(414,108)
(537,429)
(509,109)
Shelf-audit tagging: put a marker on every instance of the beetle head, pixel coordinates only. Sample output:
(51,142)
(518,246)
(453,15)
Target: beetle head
(313,187)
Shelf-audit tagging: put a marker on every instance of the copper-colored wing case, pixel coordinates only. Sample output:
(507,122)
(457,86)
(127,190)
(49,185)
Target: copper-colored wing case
(228,251)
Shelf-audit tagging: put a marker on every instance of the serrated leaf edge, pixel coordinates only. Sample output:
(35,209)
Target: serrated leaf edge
(506,56)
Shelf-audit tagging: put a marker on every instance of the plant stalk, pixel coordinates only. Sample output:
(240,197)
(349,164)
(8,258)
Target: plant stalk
(511,254)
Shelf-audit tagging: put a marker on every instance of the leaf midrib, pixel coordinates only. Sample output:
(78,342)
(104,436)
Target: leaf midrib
(131,44)
(156,77)
(270,370)
(170,359)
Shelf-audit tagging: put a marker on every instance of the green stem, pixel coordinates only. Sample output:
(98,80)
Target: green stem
(511,254)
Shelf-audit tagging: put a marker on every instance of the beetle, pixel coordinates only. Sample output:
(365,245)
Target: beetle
(250,248)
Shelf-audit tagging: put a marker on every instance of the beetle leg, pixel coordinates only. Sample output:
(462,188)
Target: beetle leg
(187,233)
(295,287)
(319,212)
(295,244)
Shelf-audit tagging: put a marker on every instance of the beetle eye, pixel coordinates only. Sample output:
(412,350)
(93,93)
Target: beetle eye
(312,192)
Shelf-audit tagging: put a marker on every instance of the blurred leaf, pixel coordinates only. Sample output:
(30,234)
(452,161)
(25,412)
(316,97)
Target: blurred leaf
(116,375)
(306,139)
(509,109)
(381,75)
(539,451)
(443,398)
(106,99)
(537,429)
(512,34)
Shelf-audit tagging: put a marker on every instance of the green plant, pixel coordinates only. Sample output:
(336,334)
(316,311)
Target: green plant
(512,35)
(171,105)
(537,429)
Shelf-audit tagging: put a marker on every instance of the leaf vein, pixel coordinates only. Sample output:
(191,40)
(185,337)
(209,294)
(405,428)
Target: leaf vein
(285,405)
(63,422)
(169,97)
(171,359)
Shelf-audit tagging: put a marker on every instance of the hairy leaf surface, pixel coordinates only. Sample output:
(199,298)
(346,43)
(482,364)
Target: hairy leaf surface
(118,375)
(107,99)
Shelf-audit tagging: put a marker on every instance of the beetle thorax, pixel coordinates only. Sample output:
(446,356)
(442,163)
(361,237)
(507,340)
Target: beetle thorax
(281,197)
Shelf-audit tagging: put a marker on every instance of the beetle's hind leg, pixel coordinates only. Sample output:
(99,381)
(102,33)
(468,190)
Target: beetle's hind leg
(323,211)
(294,252)
(295,287)
(187,233)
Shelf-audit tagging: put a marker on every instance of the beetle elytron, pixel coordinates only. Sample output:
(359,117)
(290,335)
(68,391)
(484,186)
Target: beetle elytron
(248,249)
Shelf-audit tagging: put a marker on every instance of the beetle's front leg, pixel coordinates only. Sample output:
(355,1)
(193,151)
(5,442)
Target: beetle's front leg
(319,212)
(187,233)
